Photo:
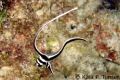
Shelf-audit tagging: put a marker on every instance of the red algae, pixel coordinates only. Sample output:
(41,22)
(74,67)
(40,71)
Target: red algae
(102,47)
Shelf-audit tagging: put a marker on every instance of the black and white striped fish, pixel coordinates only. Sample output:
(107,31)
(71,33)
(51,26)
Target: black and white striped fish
(45,59)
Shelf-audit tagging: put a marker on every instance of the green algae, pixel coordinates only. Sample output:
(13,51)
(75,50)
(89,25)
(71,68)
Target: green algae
(3,16)
(4,56)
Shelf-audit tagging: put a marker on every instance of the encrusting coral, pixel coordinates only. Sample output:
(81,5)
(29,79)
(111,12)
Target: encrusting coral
(24,18)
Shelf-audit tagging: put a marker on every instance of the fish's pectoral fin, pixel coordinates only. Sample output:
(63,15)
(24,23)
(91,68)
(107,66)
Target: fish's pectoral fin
(48,65)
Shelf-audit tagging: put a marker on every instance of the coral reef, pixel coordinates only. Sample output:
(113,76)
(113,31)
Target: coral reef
(25,17)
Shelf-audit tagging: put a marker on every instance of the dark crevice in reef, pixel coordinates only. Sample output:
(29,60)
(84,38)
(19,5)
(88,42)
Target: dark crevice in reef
(110,4)
(9,3)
